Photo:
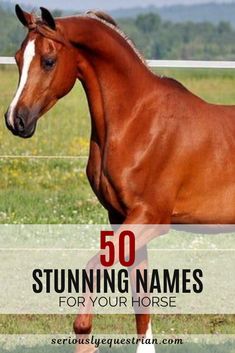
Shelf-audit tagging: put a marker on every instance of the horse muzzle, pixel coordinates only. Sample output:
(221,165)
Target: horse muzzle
(20,126)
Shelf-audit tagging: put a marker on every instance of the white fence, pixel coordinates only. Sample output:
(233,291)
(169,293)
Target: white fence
(187,64)
(192,64)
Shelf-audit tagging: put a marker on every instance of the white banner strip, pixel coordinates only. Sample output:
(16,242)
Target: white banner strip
(111,342)
(186,64)
(43,270)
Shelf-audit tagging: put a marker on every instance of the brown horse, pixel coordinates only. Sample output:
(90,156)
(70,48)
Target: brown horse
(158,153)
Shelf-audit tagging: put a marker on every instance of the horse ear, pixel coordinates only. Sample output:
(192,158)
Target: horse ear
(48,18)
(24,17)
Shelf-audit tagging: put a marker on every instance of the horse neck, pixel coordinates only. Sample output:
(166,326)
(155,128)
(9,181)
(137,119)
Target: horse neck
(110,70)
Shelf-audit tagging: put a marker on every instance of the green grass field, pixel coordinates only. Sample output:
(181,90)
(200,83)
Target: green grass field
(57,191)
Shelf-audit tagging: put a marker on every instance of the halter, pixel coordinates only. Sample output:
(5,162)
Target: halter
(41,28)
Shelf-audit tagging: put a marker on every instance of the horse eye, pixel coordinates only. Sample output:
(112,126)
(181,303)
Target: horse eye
(48,63)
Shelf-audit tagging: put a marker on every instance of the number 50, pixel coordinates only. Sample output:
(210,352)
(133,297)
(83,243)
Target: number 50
(126,258)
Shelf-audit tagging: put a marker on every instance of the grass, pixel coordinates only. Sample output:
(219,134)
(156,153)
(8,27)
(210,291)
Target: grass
(118,324)
(57,191)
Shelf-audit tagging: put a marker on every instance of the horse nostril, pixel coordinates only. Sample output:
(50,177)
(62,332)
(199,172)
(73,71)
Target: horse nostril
(19,123)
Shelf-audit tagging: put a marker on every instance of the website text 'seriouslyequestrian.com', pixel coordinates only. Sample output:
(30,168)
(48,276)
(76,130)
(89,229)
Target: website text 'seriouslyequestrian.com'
(112,342)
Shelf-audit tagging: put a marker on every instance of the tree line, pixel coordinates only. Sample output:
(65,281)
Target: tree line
(158,39)
(154,37)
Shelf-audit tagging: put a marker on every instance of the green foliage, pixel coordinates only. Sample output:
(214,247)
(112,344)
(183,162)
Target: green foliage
(156,38)
(148,23)
(11,31)
(211,11)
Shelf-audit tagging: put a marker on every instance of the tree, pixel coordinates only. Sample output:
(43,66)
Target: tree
(148,23)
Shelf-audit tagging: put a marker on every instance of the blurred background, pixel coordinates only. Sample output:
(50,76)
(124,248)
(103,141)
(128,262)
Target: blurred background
(173,29)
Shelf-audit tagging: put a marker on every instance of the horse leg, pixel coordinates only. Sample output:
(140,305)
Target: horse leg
(137,216)
(143,321)
(82,328)
(115,219)
(83,322)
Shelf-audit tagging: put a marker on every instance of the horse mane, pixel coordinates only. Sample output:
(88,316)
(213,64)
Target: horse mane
(110,22)
(97,15)
(103,16)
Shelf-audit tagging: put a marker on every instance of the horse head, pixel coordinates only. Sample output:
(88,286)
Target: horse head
(47,68)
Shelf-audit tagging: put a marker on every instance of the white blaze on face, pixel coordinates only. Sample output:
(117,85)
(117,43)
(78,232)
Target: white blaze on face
(27,59)
(147,348)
